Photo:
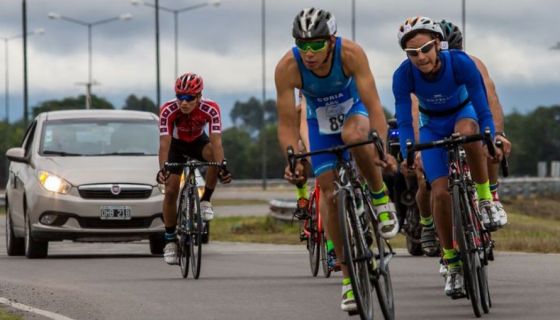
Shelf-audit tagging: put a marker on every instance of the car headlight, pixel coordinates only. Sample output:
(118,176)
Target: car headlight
(54,183)
(161,188)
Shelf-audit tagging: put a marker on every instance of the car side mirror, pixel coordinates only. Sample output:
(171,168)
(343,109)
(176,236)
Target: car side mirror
(17,155)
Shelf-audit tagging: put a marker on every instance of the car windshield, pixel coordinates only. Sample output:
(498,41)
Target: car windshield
(99,137)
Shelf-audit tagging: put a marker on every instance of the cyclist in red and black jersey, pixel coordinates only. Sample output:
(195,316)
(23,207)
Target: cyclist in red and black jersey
(181,127)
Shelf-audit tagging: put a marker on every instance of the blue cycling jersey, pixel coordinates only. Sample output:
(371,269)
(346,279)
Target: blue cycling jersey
(330,99)
(330,96)
(457,81)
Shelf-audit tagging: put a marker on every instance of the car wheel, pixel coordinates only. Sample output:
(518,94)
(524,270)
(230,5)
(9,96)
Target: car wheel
(14,246)
(34,249)
(157,243)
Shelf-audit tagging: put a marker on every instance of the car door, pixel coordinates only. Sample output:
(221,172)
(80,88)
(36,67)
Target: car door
(19,174)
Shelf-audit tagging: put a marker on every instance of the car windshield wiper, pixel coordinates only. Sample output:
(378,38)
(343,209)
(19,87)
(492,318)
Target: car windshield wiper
(120,154)
(61,153)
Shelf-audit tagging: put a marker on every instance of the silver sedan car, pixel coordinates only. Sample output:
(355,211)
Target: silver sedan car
(84,175)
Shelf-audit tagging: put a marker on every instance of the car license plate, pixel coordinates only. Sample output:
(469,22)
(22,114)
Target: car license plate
(115,213)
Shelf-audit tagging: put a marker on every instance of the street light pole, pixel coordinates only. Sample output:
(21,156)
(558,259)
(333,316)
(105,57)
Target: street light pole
(25,93)
(353,20)
(90,25)
(7,72)
(175,13)
(464,16)
(263,125)
(158,88)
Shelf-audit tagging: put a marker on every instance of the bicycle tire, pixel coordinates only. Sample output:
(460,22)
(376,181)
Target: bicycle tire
(381,273)
(196,234)
(313,240)
(468,256)
(324,259)
(355,255)
(183,241)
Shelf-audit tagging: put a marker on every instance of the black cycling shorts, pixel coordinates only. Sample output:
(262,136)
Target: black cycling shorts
(181,151)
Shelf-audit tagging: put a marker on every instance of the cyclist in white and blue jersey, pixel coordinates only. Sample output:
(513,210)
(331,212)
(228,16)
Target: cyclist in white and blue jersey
(452,98)
(342,106)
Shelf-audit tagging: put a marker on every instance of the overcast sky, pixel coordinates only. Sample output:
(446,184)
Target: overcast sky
(223,44)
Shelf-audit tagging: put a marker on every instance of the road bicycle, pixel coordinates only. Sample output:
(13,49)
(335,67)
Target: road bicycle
(191,227)
(366,253)
(472,240)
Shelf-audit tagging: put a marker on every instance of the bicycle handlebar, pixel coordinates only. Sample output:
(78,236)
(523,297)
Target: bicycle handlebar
(373,138)
(195,164)
(504,163)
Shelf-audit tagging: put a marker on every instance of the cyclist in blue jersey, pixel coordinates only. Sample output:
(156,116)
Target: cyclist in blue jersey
(454,41)
(452,98)
(342,106)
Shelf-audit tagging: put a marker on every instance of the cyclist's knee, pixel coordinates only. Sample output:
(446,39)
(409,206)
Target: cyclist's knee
(171,194)
(466,127)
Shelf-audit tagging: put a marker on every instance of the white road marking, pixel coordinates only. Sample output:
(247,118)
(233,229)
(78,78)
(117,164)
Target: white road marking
(44,313)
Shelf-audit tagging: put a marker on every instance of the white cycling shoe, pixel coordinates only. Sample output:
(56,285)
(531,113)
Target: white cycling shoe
(388,228)
(207,210)
(170,253)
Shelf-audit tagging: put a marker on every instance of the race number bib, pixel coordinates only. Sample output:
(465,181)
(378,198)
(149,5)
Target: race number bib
(331,117)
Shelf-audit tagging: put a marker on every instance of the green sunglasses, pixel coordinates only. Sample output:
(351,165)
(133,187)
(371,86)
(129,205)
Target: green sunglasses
(314,46)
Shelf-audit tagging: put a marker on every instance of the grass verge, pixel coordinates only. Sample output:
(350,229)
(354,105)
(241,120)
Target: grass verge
(5,315)
(534,226)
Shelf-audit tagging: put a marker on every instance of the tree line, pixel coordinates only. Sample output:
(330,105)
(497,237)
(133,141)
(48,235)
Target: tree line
(535,136)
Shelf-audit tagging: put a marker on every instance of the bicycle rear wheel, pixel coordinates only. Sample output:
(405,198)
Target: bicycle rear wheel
(183,238)
(196,234)
(469,255)
(313,240)
(357,256)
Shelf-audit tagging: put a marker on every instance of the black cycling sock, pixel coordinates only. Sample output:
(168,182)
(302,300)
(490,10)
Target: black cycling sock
(169,234)
(207,194)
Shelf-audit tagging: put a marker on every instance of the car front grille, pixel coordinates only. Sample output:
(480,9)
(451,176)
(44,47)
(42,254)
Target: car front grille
(96,223)
(115,191)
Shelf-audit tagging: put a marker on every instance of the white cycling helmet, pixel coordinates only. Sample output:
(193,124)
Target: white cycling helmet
(413,25)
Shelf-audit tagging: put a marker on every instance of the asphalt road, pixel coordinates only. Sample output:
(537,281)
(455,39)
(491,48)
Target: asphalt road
(251,281)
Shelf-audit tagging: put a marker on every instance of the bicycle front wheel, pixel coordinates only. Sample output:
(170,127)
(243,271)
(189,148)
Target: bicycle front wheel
(196,234)
(313,240)
(467,251)
(357,256)
(183,238)
(324,258)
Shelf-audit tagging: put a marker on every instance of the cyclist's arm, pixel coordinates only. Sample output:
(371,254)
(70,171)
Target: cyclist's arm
(285,77)
(493,101)
(303,131)
(403,106)
(467,73)
(355,63)
(415,117)
(217,148)
(164,146)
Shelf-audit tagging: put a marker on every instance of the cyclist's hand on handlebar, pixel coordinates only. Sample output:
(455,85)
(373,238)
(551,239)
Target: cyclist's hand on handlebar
(298,176)
(497,157)
(224,175)
(506,145)
(162,175)
(390,164)
(418,161)
(408,171)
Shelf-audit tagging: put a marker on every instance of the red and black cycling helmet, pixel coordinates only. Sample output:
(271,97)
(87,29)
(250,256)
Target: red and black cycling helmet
(189,83)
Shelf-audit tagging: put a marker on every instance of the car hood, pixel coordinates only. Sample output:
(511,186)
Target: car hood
(108,169)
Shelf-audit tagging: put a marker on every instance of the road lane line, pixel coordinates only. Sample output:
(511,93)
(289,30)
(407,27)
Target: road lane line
(44,313)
